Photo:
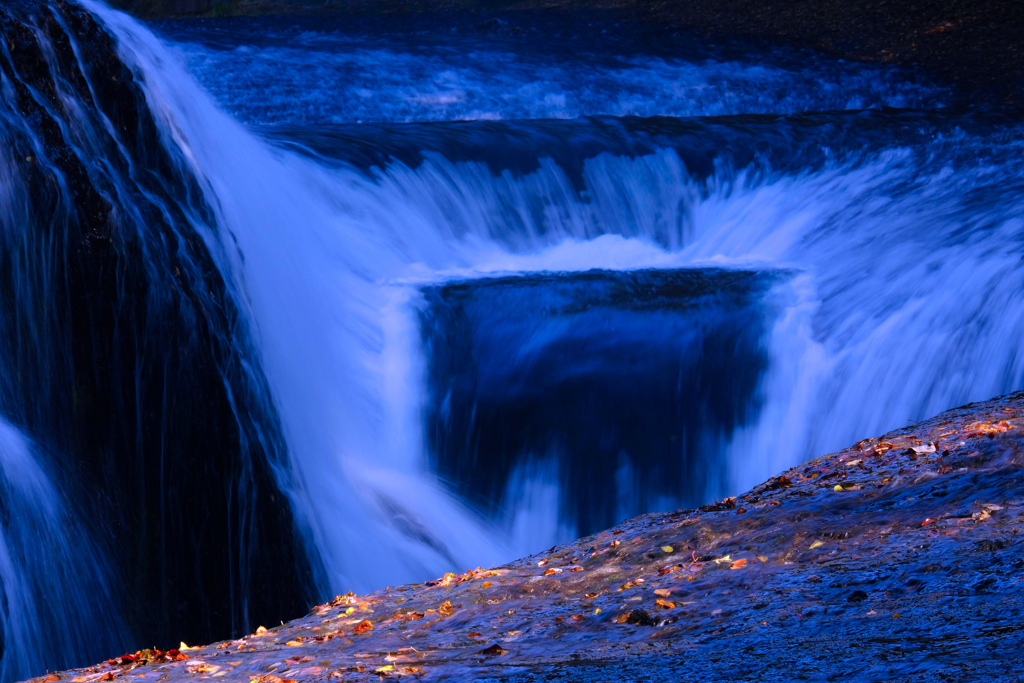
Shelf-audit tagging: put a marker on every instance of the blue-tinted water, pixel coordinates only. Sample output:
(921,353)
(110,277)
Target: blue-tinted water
(340,71)
(511,281)
(403,156)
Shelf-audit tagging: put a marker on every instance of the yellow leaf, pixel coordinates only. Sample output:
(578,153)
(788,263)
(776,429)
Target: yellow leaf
(762,558)
(184,647)
(837,487)
(597,611)
(816,544)
(384,669)
(724,558)
(668,549)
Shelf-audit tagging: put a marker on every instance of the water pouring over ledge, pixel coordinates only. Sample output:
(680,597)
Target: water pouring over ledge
(326,259)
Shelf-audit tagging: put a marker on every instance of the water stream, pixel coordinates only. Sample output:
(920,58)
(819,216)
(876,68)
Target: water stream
(511,282)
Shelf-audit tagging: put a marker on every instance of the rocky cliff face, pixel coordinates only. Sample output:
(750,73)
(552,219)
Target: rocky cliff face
(121,351)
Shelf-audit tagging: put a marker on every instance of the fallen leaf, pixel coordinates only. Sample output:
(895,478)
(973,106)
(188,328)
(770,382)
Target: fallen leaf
(837,487)
(739,564)
(486,584)
(552,570)
(590,596)
(816,544)
(384,669)
(663,592)
(667,549)
(493,650)
(260,630)
(665,603)
(363,626)
(762,558)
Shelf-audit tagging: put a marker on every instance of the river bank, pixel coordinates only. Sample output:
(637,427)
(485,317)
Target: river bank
(895,559)
(974,45)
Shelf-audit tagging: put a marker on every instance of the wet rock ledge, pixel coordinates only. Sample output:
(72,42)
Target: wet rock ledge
(899,558)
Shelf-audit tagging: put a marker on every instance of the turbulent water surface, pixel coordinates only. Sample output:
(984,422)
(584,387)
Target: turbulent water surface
(511,281)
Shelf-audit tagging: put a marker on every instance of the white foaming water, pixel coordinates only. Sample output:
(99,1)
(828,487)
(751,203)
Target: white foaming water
(908,301)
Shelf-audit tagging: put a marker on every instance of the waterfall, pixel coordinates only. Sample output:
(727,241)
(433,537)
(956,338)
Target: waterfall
(301,339)
(49,566)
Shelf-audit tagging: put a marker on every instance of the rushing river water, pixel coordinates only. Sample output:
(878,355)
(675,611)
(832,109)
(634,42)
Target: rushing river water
(512,281)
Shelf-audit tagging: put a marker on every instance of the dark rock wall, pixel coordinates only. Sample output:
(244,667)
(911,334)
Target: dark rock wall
(121,350)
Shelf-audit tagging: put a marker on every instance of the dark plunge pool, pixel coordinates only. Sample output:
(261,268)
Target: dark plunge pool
(629,383)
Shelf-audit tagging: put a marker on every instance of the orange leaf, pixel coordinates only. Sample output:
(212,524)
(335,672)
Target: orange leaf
(666,604)
(363,627)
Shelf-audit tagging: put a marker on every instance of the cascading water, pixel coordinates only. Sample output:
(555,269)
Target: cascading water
(48,565)
(704,297)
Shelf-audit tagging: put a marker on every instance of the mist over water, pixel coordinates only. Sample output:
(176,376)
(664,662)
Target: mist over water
(506,291)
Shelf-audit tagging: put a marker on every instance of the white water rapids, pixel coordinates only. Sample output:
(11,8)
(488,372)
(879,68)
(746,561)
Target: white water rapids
(907,298)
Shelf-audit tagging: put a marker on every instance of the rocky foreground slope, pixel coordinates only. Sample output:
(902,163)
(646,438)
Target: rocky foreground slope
(898,558)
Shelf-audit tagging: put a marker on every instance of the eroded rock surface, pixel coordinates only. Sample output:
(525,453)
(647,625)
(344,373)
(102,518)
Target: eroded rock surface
(898,558)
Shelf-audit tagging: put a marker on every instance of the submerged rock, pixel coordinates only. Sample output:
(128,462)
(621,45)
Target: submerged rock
(913,569)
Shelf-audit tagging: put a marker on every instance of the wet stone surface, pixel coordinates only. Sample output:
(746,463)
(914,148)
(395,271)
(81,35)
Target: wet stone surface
(896,559)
